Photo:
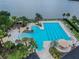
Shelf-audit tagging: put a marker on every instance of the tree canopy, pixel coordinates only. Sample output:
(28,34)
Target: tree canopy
(5,13)
(8,44)
(38,16)
(5,21)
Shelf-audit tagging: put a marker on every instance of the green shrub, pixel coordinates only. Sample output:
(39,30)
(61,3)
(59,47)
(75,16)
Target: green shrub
(55,53)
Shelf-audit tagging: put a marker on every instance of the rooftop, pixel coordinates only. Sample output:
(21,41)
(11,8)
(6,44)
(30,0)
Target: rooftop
(74,54)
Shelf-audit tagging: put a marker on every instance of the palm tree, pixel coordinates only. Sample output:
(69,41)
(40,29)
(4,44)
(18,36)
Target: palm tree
(33,43)
(9,45)
(19,45)
(39,24)
(68,15)
(63,15)
(24,20)
(6,13)
(53,44)
(38,17)
(74,18)
(25,40)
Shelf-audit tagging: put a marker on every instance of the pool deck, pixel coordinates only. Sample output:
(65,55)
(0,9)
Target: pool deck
(13,32)
(44,54)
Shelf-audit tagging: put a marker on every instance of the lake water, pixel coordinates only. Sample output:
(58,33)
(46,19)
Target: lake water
(48,8)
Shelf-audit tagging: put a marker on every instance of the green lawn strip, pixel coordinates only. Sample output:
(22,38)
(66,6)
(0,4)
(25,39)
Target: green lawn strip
(75,34)
(49,19)
(18,54)
(55,53)
(75,23)
(72,25)
(73,31)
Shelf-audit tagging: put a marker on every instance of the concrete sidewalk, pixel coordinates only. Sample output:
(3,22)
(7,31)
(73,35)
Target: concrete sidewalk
(44,54)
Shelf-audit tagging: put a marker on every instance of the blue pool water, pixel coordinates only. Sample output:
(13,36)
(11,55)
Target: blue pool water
(51,32)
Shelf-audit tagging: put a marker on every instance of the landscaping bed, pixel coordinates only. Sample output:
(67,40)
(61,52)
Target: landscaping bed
(55,53)
(74,29)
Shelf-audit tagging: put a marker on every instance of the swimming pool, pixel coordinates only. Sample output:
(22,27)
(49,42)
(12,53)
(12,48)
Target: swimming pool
(51,32)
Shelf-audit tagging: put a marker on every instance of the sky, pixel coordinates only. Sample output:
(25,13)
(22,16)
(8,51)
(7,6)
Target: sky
(47,8)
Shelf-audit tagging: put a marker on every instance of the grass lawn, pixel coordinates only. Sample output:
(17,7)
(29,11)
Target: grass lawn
(17,54)
(73,31)
(76,34)
(55,53)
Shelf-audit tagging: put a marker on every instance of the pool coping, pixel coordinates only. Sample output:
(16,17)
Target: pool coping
(46,44)
(64,27)
(61,24)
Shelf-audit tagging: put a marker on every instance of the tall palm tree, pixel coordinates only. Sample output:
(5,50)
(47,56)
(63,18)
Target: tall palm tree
(33,43)
(63,15)
(24,20)
(74,18)
(6,13)
(38,17)
(25,40)
(53,44)
(68,15)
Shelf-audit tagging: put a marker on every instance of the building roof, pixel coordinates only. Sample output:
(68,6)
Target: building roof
(74,54)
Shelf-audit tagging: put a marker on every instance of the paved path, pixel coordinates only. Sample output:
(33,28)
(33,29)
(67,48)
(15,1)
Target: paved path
(44,54)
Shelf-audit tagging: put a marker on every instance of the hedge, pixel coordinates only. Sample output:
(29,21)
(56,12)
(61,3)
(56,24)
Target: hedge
(70,23)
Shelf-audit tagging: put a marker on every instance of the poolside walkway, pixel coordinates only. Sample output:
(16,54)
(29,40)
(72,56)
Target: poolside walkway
(14,34)
(44,54)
